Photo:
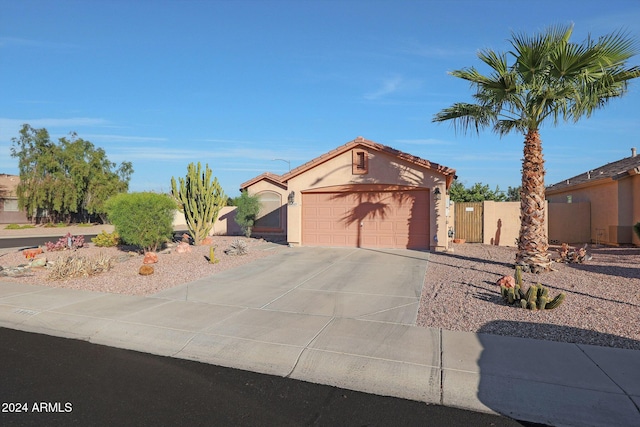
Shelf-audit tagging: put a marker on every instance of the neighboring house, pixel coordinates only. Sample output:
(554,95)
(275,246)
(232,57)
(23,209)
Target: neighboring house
(362,194)
(9,211)
(611,195)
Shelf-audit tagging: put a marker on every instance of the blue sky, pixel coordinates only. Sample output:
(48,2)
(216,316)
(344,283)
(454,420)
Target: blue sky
(236,84)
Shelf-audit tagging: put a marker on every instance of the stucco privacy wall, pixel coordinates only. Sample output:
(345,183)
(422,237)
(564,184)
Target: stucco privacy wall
(382,169)
(569,222)
(501,223)
(224,225)
(615,207)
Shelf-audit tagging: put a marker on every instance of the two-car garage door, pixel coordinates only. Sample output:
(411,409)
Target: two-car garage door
(371,219)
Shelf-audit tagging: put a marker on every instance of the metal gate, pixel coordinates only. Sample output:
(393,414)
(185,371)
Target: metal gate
(468,221)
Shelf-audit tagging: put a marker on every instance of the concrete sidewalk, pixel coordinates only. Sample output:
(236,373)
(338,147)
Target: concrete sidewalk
(344,317)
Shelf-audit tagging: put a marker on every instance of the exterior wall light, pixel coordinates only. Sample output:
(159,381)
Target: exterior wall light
(292,197)
(436,194)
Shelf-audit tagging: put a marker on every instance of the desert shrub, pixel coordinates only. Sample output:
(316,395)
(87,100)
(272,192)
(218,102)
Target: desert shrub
(237,247)
(79,266)
(636,229)
(106,240)
(247,208)
(142,219)
(55,225)
(68,241)
(18,226)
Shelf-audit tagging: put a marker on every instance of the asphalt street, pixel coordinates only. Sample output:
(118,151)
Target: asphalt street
(54,381)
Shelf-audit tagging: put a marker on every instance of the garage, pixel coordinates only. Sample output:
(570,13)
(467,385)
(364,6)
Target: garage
(363,216)
(360,194)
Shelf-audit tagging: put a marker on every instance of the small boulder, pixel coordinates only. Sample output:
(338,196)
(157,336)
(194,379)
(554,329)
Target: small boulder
(183,247)
(145,270)
(150,258)
(207,241)
(38,262)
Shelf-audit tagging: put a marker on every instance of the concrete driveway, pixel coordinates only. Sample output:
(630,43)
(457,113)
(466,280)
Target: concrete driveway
(370,284)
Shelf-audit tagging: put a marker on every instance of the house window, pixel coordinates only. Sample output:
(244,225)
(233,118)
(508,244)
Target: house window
(360,164)
(269,217)
(11,205)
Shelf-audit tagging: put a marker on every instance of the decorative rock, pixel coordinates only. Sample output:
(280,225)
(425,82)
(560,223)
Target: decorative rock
(38,262)
(150,258)
(145,270)
(31,253)
(19,271)
(183,247)
(207,241)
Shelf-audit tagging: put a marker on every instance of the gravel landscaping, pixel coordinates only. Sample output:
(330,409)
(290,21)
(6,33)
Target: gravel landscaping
(602,304)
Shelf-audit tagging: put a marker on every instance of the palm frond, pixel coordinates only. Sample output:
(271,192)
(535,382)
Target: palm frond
(466,117)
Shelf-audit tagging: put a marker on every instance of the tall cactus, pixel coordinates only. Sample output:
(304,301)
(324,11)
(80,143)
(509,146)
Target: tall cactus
(201,200)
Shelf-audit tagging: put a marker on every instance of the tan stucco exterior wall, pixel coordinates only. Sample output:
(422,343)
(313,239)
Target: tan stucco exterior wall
(635,189)
(224,225)
(382,169)
(569,222)
(614,208)
(266,185)
(501,223)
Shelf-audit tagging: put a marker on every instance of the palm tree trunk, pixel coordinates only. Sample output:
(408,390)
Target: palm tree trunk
(532,243)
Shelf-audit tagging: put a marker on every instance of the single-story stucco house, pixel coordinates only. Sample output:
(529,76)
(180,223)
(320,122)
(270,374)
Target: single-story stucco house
(9,211)
(362,194)
(605,201)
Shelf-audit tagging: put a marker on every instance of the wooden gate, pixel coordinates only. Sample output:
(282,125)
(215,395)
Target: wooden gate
(468,221)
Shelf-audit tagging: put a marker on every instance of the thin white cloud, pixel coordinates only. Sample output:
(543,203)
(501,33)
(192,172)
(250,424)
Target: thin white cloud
(168,154)
(416,48)
(388,87)
(121,138)
(9,128)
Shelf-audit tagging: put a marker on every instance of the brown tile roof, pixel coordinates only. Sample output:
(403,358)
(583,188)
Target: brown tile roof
(359,141)
(274,178)
(610,171)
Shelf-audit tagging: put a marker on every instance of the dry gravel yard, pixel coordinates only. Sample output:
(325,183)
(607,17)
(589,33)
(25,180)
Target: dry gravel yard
(602,306)
(171,269)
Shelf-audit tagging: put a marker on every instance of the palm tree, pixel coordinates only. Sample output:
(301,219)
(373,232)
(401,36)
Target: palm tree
(550,79)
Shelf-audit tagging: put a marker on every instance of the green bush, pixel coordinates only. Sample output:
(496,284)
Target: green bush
(18,226)
(143,219)
(636,228)
(106,240)
(247,208)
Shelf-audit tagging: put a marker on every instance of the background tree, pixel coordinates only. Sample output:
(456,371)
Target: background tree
(247,209)
(549,79)
(72,177)
(142,219)
(477,193)
(513,194)
(200,198)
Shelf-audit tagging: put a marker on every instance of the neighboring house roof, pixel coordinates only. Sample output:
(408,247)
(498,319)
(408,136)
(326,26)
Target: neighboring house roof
(358,142)
(609,172)
(8,185)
